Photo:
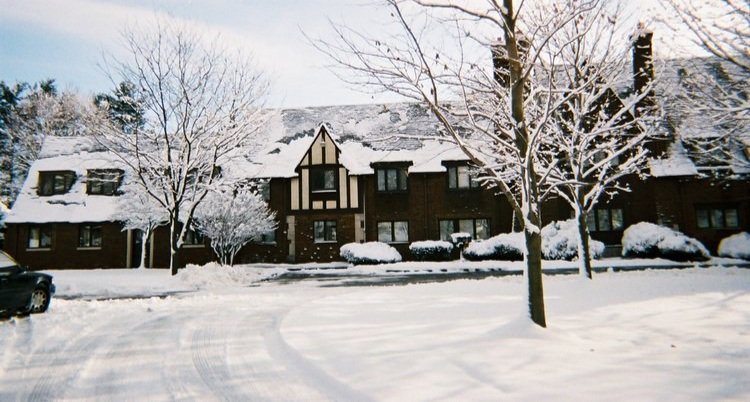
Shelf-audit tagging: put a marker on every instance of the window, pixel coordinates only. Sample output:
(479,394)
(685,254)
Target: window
(717,218)
(268,237)
(103,181)
(605,219)
(479,229)
(709,152)
(89,236)
(325,231)
(459,178)
(193,238)
(265,190)
(52,183)
(393,232)
(391,179)
(40,237)
(323,179)
(195,175)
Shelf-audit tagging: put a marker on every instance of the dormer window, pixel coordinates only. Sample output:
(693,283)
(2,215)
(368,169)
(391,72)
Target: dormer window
(709,153)
(53,183)
(323,179)
(459,178)
(103,181)
(391,179)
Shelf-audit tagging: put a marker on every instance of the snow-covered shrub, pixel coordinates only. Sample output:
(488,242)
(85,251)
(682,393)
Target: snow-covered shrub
(560,241)
(505,246)
(431,250)
(460,238)
(736,246)
(369,253)
(647,240)
(232,218)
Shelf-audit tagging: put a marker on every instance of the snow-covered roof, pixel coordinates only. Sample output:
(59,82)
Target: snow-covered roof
(77,154)
(365,134)
(686,127)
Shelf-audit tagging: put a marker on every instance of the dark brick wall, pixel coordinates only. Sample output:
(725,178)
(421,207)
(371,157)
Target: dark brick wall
(685,195)
(65,253)
(671,201)
(427,201)
(309,251)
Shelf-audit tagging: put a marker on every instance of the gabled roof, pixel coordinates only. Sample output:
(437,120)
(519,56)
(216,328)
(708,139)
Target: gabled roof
(365,134)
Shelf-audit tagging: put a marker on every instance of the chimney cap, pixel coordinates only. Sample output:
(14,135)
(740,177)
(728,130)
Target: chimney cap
(641,31)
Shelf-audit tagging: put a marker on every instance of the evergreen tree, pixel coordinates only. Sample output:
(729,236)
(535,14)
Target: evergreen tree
(123,106)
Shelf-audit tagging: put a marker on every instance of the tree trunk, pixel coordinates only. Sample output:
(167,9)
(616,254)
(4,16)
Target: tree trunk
(174,236)
(584,252)
(534,272)
(530,191)
(144,240)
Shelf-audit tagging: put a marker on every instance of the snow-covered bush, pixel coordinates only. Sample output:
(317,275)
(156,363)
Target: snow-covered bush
(647,240)
(431,250)
(505,246)
(232,218)
(369,253)
(560,241)
(736,246)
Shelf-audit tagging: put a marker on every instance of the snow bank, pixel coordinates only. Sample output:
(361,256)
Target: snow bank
(369,253)
(647,240)
(736,246)
(505,246)
(213,275)
(560,241)
(431,250)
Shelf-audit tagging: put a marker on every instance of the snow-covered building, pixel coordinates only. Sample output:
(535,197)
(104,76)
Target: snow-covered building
(343,174)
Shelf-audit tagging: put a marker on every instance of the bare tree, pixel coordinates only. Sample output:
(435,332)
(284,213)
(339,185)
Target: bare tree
(599,134)
(505,118)
(232,218)
(712,95)
(202,106)
(137,210)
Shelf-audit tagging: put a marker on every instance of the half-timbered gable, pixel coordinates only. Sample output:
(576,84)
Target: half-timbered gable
(323,182)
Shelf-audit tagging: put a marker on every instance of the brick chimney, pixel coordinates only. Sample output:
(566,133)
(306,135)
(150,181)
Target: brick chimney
(643,75)
(643,67)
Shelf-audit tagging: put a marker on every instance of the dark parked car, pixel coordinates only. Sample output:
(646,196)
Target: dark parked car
(21,291)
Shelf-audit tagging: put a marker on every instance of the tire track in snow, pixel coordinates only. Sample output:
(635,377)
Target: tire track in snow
(53,382)
(305,369)
(105,384)
(212,368)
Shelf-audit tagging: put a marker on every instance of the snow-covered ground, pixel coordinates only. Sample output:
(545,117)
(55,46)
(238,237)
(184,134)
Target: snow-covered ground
(222,335)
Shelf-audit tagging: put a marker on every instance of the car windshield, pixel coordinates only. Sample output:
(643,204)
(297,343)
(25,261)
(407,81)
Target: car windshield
(6,260)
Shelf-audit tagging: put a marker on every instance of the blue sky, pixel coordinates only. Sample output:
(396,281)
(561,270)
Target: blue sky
(65,39)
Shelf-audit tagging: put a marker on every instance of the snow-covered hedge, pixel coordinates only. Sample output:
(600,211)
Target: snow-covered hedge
(736,246)
(506,246)
(369,253)
(560,241)
(431,250)
(647,240)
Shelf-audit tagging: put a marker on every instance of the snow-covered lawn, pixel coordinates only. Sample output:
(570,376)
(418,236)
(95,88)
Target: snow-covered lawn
(647,335)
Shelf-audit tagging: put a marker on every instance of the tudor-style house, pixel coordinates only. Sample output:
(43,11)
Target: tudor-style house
(342,174)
